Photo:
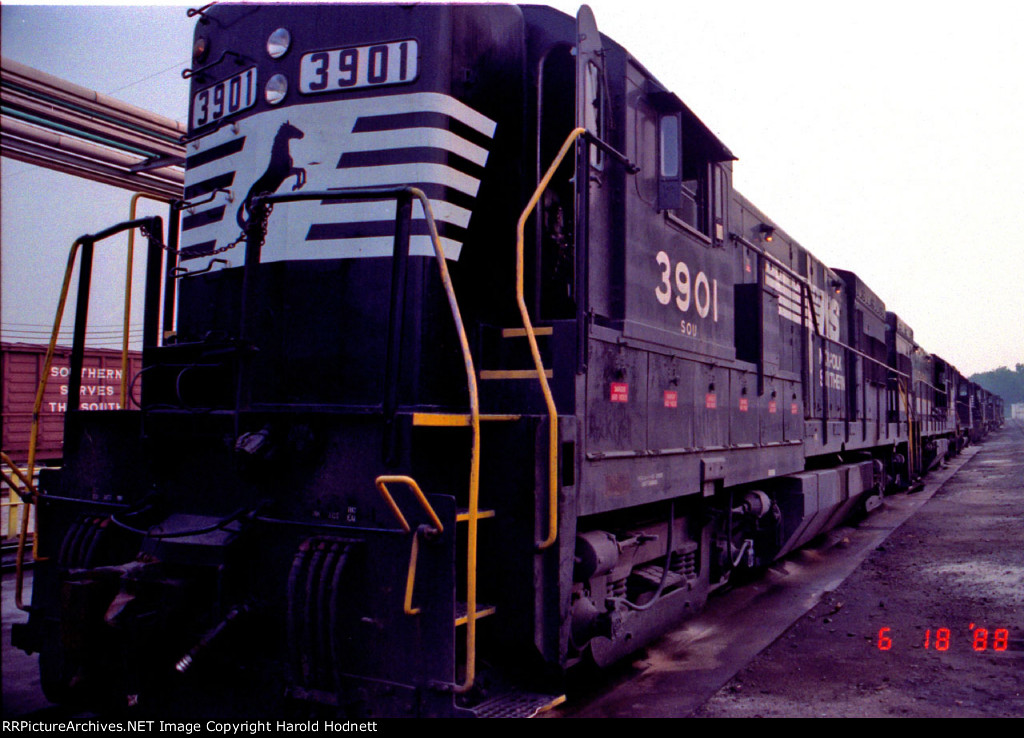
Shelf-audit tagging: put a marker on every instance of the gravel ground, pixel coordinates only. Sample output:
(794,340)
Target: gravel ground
(952,571)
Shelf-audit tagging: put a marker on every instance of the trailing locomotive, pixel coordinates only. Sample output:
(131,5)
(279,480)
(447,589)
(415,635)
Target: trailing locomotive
(407,448)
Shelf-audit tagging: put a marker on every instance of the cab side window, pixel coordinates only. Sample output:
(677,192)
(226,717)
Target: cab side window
(691,173)
(683,188)
(646,153)
(720,204)
(670,154)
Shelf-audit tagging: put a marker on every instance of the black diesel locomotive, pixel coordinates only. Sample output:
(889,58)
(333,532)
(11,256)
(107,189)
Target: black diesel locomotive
(474,366)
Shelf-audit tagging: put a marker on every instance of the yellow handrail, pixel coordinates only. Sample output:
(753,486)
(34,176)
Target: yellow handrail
(474,412)
(905,396)
(34,434)
(531,336)
(26,479)
(474,463)
(48,362)
(410,577)
(18,473)
(12,507)
(384,480)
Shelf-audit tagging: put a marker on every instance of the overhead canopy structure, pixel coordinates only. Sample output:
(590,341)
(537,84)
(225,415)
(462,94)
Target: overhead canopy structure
(52,123)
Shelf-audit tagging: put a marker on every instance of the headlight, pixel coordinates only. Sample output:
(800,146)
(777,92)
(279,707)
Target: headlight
(278,43)
(276,89)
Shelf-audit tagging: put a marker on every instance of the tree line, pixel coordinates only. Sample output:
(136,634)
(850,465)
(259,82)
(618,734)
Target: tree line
(1005,382)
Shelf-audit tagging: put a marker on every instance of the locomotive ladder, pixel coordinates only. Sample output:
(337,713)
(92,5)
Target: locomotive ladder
(528,331)
(542,375)
(473,515)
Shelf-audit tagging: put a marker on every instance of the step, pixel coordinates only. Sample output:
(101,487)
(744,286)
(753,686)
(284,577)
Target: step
(521,332)
(463,515)
(462,612)
(517,704)
(513,374)
(456,420)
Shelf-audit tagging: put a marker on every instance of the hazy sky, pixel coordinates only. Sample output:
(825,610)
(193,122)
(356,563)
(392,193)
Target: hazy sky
(884,136)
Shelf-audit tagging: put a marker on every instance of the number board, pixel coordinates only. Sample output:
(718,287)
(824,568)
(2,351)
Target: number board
(679,293)
(225,98)
(360,66)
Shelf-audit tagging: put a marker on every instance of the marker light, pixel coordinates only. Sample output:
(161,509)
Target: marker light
(200,49)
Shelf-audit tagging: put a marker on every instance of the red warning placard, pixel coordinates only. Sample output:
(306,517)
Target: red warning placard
(744,404)
(620,392)
(710,401)
(671,398)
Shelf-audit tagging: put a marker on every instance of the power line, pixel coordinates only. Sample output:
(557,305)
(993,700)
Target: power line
(176,65)
(47,325)
(68,329)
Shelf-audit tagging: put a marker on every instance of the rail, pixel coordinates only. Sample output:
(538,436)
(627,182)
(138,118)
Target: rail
(26,495)
(911,451)
(410,579)
(123,395)
(531,336)
(84,245)
(13,508)
(384,480)
(403,194)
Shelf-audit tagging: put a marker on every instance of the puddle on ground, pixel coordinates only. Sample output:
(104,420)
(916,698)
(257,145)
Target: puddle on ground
(997,578)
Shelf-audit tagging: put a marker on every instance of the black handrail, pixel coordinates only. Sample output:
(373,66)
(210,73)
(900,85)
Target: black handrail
(154,230)
(255,234)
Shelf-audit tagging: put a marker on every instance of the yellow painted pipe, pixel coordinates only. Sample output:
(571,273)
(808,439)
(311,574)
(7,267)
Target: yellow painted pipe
(19,580)
(410,578)
(34,435)
(383,481)
(534,350)
(474,463)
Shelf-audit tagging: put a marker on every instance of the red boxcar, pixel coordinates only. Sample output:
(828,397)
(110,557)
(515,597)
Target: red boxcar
(22,369)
